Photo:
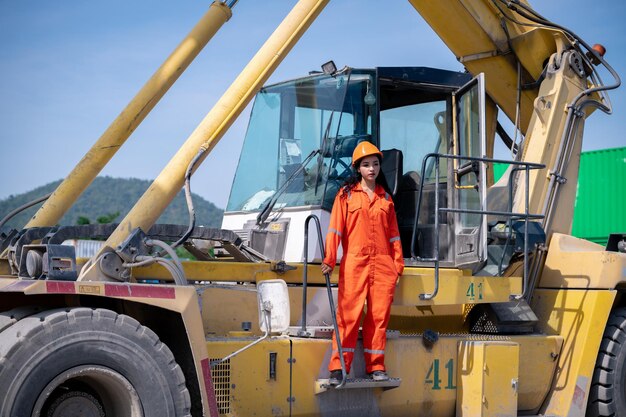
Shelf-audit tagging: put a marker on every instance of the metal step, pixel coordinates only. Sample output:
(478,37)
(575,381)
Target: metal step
(322,385)
(316,332)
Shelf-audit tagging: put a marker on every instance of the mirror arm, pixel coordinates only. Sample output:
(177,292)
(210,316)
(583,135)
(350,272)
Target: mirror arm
(267,309)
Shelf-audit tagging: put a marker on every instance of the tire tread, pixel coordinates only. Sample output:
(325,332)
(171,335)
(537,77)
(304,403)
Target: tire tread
(604,399)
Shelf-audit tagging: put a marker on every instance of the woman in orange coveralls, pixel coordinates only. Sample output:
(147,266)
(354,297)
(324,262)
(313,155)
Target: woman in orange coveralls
(363,219)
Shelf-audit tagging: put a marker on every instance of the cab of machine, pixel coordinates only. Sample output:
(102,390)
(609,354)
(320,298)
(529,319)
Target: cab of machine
(298,148)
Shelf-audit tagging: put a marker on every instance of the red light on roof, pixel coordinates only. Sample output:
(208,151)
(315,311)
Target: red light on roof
(600,50)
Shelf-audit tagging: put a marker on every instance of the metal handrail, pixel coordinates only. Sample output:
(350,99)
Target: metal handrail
(526,166)
(303,331)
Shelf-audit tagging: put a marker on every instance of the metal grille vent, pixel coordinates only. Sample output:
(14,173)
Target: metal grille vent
(221,383)
(480,322)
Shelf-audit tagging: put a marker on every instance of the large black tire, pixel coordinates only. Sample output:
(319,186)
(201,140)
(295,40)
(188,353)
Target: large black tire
(10,317)
(86,362)
(607,396)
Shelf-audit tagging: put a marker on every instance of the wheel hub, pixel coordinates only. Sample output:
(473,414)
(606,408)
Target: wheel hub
(89,391)
(76,403)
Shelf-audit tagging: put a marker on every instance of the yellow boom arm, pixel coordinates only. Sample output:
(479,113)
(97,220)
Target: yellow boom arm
(127,121)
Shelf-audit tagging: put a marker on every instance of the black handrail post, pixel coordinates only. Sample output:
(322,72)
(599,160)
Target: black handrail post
(328,288)
(436,245)
(303,331)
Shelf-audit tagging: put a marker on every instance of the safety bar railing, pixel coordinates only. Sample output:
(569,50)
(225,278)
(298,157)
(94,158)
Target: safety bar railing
(483,212)
(303,331)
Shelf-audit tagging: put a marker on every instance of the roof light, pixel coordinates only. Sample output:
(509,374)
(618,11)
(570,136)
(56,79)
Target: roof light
(597,51)
(329,68)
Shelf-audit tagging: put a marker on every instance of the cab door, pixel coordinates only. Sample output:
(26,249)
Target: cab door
(468,177)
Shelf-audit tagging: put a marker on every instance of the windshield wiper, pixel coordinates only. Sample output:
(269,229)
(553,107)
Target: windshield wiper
(267,209)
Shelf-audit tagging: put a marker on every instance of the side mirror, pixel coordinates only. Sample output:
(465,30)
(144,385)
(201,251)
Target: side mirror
(273,305)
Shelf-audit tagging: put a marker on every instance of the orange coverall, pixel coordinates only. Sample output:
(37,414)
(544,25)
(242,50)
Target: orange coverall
(371,263)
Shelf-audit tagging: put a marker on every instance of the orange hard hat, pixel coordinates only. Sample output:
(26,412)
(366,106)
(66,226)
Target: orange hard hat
(364,149)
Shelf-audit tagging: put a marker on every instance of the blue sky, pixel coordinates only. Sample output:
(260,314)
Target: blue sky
(67,68)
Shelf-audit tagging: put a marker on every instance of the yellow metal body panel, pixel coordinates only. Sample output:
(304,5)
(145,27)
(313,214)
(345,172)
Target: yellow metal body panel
(429,377)
(246,388)
(578,263)
(487,379)
(460,289)
(580,317)
(127,121)
(456,287)
(535,46)
(225,307)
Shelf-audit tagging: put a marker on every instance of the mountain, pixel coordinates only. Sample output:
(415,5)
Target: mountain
(105,197)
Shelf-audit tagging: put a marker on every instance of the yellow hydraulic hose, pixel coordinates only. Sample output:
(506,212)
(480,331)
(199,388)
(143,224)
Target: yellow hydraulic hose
(127,121)
(169,182)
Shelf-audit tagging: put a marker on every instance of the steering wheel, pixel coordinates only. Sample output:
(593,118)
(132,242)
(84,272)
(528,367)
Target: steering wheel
(347,169)
(338,179)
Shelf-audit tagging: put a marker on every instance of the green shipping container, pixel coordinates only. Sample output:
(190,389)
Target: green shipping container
(600,207)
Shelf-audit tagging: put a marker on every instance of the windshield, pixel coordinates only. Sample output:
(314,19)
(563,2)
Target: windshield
(288,122)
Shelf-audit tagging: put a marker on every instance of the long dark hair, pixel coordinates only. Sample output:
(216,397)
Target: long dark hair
(356,177)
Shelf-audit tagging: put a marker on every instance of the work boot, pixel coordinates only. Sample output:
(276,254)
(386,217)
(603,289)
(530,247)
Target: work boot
(335,377)
(379,376)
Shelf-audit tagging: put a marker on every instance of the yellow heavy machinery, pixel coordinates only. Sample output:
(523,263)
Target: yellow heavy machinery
(499,312)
